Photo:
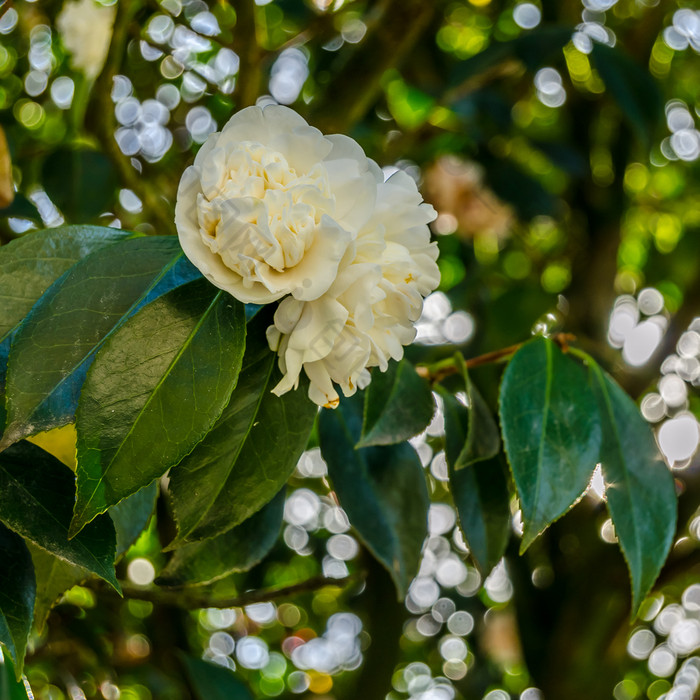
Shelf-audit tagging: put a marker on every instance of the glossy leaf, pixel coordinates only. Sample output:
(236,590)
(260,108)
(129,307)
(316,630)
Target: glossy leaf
(30,265)
(480,490)
(17,591)
(382,489)
(10,687)
(239,549)
(398,405)
(37,493)
(482,439)
(212,682)
(632,87)
(154,391)
(57,342)
(131,516)
(551,430)
(81,182)
(640,490)
(250,452)
(54,577)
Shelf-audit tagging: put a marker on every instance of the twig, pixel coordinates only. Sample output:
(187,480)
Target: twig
(439,371)
(104,125)
(187,599)
(245,42)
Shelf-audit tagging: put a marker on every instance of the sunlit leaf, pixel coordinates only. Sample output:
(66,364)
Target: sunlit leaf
(57,342)
(159,383)
(398,405)
(479,490)
(17,591)
(239,549)
(30,265)
(37,493)
(250,452)
(640,491)
(382,489)
(551,429)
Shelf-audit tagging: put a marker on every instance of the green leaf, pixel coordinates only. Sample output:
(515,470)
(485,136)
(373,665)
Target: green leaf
(54,577)
(551,429)
(482,439)
(30,265)
(17,591)
(131,516)
(382,489)
(640,490)
(249,454)
(211,682)
(480,490)
(239,549)
(82,183)
(632,87)
(10,687)
(37,493)
(160,383)
(398,405)
(57,342)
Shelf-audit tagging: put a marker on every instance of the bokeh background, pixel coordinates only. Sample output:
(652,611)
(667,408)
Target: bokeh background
(558,142)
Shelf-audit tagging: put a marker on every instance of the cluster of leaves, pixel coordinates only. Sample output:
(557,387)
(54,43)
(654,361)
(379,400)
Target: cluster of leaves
(161,371)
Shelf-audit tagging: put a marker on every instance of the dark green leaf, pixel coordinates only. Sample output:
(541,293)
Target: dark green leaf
(249,454)
(28,267)
(382,489)
(480,491)
(159,383)
(54,577)
(17,591)
(632,87)
(398,405)
(57,342)
(10,687)
(551,430)
(81,183)
(37,493)
(482,440)
(239,549)
(131,516)
(640,491)
(211,682)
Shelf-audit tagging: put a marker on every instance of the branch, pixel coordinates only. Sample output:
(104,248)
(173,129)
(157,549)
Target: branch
(440,370)
(245,41)
(104,125)
(188,600)
(392,32)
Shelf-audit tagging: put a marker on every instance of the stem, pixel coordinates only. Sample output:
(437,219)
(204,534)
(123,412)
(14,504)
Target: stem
(188,600)
(245,41)
(440,370)
(104,125)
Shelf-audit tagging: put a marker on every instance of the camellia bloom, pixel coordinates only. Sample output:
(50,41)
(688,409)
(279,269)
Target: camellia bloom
(274,210)
(86,30)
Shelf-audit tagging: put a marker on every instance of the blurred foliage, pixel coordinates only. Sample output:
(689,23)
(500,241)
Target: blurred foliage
(558,142)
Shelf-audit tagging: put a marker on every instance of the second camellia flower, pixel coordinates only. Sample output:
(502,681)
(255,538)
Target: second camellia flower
(274,210)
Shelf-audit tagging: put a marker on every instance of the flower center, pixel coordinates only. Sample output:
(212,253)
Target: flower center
(261,210)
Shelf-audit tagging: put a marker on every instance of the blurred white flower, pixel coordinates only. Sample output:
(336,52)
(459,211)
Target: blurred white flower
(86,30)
(273,209)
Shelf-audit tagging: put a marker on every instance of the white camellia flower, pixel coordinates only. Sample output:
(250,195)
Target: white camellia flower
(86,31)
(274,210)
